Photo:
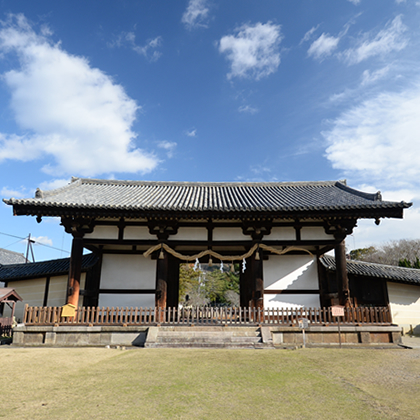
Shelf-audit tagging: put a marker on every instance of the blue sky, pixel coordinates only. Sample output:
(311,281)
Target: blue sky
(207,90)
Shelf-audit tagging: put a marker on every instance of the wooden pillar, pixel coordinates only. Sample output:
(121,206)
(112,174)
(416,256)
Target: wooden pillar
(172,298)
(341,273)
(257,274)
(161,280)
(246,285)
(75,271)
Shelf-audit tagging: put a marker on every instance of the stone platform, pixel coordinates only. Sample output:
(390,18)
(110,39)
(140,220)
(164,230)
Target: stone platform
(258,336)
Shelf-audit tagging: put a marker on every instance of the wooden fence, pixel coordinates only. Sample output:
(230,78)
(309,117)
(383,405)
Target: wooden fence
(94,316)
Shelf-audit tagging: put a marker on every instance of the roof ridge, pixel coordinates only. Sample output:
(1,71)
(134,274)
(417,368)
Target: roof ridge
(415,270)
(49,193)
(199,183)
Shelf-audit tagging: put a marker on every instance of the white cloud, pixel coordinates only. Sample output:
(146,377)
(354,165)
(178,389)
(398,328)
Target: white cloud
(248,109)
(191,133)
(9,192)
(369,77)
(354,1)
(253,50)
(196,14)
(168,146)
(148,50)
(323,46)
(308,34)
(391,38)
(54,184)
(378,139)
(71,111)
(42,240)
(367,233)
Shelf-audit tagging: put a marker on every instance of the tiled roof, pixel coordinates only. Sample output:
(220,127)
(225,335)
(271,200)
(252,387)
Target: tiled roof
(43,268)
(84,196)
(11,257)
(388,272)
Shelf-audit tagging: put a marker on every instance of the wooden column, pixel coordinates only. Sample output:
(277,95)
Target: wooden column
(341,274)
(246,286)
(257,274)
(75,271)
(162,268)
(172,298)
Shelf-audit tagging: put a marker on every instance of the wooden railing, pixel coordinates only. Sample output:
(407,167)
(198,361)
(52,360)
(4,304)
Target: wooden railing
(94,316)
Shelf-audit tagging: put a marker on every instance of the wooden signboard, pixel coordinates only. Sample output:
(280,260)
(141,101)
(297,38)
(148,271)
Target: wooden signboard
(68,310)
(337,310)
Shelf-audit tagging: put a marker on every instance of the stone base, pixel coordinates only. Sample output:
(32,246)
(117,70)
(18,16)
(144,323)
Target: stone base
(79,336)
(202,336)
(377,336)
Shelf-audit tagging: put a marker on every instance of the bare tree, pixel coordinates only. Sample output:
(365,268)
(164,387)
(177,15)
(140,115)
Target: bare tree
(390,253)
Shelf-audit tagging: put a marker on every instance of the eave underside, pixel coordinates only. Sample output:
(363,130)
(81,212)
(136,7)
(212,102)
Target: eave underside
(370,213)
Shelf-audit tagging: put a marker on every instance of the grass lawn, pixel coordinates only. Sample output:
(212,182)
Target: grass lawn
(99,383)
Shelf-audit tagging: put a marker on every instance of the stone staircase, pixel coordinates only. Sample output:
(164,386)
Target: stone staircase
(208,336)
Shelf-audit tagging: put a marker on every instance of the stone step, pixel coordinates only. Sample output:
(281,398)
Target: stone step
(207,334)
(166,339)
(192,336)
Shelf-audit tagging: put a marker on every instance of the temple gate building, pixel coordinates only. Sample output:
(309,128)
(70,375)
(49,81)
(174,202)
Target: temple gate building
(277,231)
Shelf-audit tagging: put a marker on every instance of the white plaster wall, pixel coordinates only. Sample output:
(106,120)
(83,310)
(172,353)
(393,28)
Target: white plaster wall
(138,232)
(282,233)
(291,301)
(127,272)
(31,292)
(127,301)
(103,232)
(229,234)
(191,233)
(290,272)
(405,305)
(314,233)
(57,290)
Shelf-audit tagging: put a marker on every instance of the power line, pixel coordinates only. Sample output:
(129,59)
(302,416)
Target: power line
(34,241)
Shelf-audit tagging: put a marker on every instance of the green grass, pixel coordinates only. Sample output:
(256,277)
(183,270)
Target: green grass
(40,383)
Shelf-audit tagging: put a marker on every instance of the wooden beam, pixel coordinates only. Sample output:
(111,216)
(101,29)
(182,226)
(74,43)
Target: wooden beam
(291,291)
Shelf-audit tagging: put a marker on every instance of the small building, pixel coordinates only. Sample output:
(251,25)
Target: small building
(376,285)
(8,299)
(44,283)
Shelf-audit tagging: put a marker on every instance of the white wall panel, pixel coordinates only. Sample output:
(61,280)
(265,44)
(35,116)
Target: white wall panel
(190,233)
(291,301)
(282,234)
(138,232)
(290,272)
(229,234)
(127,272)
(32,293)
(103,232)
(308,233)
(405,305)
(127,301)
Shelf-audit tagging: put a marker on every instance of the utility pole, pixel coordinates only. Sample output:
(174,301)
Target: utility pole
(29,247)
